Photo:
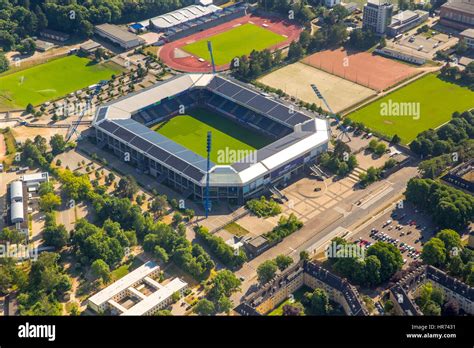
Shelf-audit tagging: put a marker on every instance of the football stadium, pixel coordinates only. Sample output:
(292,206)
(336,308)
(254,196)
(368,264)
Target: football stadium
(259,143)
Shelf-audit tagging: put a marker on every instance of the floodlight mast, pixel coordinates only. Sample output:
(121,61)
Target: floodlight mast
(321,97)
(209,47)
(207,203)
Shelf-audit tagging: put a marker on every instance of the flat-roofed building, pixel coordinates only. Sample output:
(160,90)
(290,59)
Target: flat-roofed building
(405,21)
(457,14)
(137,293)
(54,35)
(34,180)
(119,36)
(468,36)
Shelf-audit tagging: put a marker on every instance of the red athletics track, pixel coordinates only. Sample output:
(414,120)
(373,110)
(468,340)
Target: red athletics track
(192,64)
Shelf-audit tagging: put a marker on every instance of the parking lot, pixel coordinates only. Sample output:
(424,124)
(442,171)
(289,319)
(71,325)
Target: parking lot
(405,227)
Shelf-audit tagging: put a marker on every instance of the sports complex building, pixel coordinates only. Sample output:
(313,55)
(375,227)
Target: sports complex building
(289,139)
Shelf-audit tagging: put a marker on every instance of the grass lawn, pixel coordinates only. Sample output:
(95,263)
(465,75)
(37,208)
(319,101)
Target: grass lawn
(123,270)
(437,100)
(10,144)
(51,80)
(298,296)
(235,42)
(236,229)
(191,132)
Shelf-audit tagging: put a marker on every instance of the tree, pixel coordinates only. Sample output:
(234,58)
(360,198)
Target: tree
(55,235)
(304,255)
(225,283)
(266,271)
(283,262)
(30,109)
(58,144)
(451,308)
(319,302)
(389,256)
(293,309)
(380,149)
(100,269)
(434,252)
(395,140)
(128,186)
(4,65)
(388,306)
(451,239)
(159,204)
(295,51)
(224,305)
(10,235)
(161,254)
(163,313)
(432,308)
(204,307)
(49,201)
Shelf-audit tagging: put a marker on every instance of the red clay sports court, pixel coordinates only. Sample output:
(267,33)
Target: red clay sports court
(176,59)
(363,68)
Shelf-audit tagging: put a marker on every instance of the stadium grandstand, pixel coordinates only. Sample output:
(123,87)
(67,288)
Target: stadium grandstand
(189,20)
(296,138)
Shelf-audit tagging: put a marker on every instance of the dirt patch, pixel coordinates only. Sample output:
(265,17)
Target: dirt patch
(363,68)
(296,80)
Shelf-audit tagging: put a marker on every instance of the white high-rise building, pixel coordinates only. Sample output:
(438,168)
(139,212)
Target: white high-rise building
(377,15)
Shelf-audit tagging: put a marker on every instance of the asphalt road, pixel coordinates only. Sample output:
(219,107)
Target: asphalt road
(316,233)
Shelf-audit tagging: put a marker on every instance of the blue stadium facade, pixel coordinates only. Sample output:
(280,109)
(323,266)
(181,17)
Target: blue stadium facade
(122,126)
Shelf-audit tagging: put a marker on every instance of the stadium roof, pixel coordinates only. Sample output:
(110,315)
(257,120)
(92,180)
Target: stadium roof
(115,119)
(180,16)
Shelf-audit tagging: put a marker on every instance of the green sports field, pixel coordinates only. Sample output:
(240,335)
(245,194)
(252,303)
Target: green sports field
(235,42)
(191,131)
(51,80)
(437,100)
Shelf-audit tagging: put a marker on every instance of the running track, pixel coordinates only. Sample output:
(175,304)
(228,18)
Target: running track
(192,64)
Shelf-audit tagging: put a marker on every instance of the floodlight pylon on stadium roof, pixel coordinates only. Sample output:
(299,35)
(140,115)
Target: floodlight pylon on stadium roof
(321,97)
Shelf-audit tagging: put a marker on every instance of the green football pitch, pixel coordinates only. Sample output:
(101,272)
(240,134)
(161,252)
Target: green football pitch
(436,99)
(51,80)
(235,42)
(227,137)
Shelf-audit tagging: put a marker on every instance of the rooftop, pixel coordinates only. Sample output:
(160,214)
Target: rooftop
(117,32)
(124,283)
(468,33)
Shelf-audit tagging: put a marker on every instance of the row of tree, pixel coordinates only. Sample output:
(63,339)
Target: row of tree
(368,268)
(224,252)
(446,251)
(22,19)
(449,207)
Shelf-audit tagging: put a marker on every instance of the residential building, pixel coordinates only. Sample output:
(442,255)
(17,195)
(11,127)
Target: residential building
(408,288)
(377,15)
(138,293)
(305,273)
(457,14)
(119,36)
(405,21)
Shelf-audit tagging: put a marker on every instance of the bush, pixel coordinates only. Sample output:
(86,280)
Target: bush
(263,207)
